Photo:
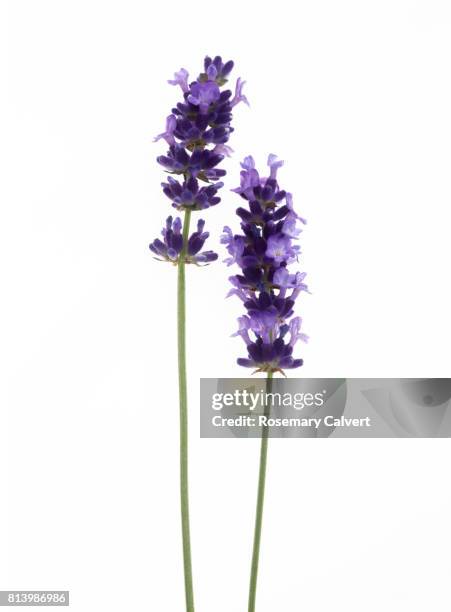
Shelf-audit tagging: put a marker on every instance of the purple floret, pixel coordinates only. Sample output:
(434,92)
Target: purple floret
(171,247)
(189,195)
(203,95)
(216,70)
(181,79)
(280,249)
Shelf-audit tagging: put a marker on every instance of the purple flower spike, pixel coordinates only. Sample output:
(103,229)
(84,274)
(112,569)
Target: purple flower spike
(197,131)
(265,285)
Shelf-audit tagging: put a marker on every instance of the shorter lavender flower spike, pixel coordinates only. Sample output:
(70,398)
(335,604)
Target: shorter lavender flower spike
(170,248)
(239,96)
(265,285)
(168,135)
(181,78)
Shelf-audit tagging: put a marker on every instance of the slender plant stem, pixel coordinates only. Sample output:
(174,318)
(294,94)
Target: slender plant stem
(260,502)
(184,499)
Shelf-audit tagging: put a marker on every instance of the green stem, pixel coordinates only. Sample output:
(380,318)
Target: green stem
(184,499)
(260,502)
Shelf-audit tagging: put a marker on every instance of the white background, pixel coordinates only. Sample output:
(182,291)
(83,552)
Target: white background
(356,97)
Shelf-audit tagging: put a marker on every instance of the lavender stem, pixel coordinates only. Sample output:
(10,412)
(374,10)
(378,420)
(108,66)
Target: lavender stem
(260,503)
(184,499)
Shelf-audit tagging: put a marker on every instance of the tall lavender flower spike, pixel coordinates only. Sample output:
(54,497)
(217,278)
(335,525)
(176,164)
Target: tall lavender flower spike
(196,133)
(266,286)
